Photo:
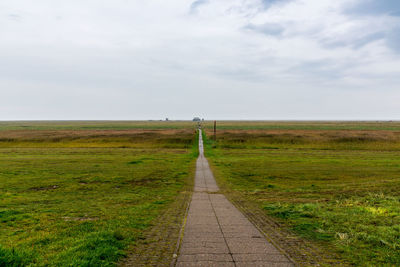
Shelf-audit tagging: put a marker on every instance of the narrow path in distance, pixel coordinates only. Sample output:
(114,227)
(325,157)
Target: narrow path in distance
(217,233)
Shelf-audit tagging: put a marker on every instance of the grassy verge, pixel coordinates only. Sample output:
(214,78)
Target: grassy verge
(66,203)
(336,189)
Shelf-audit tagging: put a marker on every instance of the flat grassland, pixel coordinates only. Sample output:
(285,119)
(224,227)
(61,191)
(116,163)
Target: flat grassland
(93,192)
(333,184)
(86,193)
(94,125)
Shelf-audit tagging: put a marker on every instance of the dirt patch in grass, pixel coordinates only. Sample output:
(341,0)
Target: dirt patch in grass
(145,181)
(44,188)
(79,219)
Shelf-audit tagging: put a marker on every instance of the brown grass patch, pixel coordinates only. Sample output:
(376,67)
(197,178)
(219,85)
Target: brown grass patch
(243,136)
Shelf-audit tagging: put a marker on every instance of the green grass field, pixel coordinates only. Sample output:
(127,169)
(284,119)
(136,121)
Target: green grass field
(84,197)
(338,189)
(86,193)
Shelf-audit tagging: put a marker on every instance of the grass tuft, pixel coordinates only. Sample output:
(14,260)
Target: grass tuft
(98,249)
(10,257)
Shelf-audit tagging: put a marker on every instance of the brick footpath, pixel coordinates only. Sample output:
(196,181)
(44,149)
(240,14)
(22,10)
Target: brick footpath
(217,233)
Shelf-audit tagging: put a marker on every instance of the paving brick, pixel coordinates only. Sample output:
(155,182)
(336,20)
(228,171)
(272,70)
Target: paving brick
(205,244)
(205,264)
(206,257)
(247,257)
(204,250)
(263,264)
(200,238)
(238,245)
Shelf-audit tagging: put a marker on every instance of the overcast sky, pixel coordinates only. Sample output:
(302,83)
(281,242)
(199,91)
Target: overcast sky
(217,59)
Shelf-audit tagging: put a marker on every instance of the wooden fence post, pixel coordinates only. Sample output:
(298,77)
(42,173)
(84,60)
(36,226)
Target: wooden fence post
(215,130)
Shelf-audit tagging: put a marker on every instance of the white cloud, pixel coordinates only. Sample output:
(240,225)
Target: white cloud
(225,59)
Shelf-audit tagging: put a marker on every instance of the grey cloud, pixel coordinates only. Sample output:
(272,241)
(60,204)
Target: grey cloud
(355,43)
(323,69)
(393,39)
(358,43)
(267,28)
(371,7)
(196,4)
(15,17)
(269,3)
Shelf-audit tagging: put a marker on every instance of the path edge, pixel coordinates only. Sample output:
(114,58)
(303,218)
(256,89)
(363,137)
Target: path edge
(181,233)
